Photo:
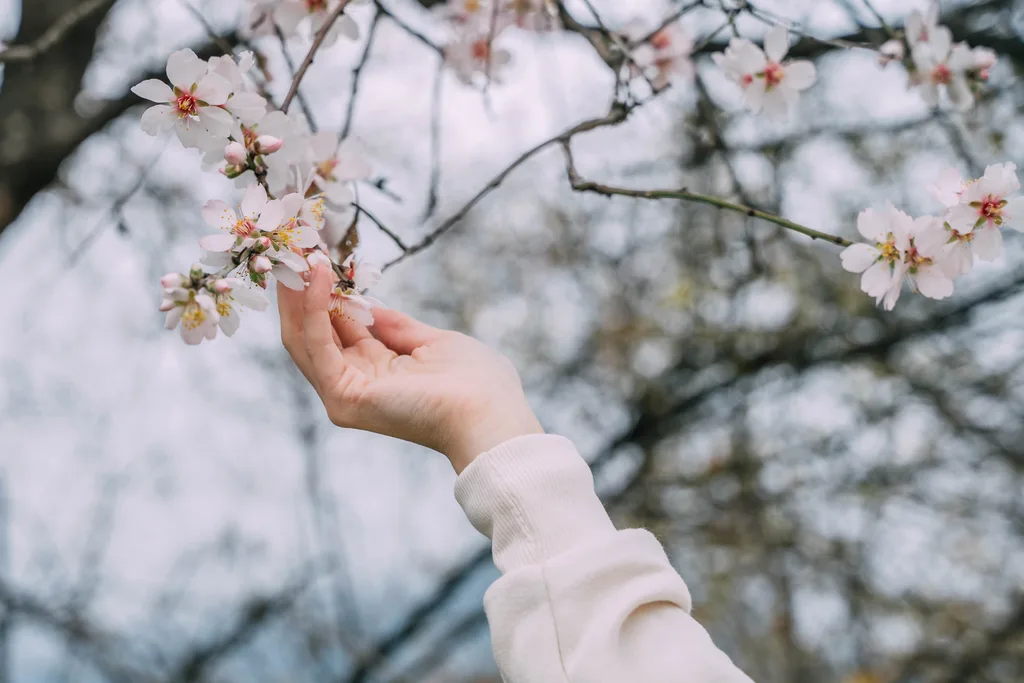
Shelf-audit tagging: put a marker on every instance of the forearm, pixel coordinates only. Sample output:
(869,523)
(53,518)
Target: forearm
(578,601)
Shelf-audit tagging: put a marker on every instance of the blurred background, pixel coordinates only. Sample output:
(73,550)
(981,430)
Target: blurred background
(841,487)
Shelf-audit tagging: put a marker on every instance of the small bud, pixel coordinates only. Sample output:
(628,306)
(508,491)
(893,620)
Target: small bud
(196,272)
(221,286)
(172,280)
(268,144)
(318,258)
(166,305)
(891,50)
(263,243)
(260,264)
(235,153)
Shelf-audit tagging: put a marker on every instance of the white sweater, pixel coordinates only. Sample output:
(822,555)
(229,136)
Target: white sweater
(578,601)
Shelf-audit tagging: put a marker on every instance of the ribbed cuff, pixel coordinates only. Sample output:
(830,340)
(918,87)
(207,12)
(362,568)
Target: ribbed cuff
(533,496)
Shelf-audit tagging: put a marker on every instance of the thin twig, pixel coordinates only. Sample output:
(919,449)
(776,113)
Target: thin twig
(357,73)
(318,40)
(673,18)
(383,228)
(54,34)
(881,20)
(615,116)
(214,37)
(307,110)
(435,144)
(409,29)
(581,185)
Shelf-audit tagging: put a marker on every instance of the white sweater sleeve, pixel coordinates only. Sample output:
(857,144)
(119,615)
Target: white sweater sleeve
(578,601)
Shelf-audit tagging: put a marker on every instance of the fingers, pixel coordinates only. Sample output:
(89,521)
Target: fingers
(325,356)
(401,333)
(290,305)
(350,332)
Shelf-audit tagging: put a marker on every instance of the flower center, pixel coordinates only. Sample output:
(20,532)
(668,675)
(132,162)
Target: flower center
(773,74)
(915,260)
(890,252)
(249,138)
(661,40)
(480,50)
(284,235)
(990,209)
(187,105)
(942,74)
(325,169)
(224,305)
(193,316)
(313,6)
(336,306)
(472,6)
(243,228)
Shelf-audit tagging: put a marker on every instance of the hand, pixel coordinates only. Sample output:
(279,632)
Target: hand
(403,378)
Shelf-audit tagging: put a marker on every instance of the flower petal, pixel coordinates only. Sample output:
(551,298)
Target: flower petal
(229,323)
(988,243)
(800,75)
(776,43)
(216,121)
(219,215)
(159,119)
(185,69)
(222,241)
(271,216)
(154,90)
(857,258)
(877,279)
(213,89)
(933,283)
(254,201)
(289,278)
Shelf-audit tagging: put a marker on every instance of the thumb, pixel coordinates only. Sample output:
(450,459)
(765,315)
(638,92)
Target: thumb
(400,332)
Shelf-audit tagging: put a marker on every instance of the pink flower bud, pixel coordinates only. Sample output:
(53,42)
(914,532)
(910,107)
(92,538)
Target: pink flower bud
(263,243)
(221,286)
(891,50)
(318,258)
(260,264)
(172,280)
(235,153)
(166,305)
(268,144)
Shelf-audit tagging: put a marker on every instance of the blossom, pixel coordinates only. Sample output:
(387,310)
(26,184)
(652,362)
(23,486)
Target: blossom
(229,293)
(986,205)
(531,15)
(467,11)
(940,63)
(240,227)
(336,166)
(882,260)
(187,301)
(192,107)
(348,300)
(891,50)
(666,56)
(472,54)
(292,15)
(921,26)
(982,61)
(248,107)
(768,83)
(924,262)
(274,134)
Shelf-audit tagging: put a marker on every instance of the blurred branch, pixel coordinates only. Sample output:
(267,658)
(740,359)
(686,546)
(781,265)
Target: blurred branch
(581,185)
(318,40)
(60,28)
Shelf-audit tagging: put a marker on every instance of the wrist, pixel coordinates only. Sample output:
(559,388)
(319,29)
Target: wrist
(493,428)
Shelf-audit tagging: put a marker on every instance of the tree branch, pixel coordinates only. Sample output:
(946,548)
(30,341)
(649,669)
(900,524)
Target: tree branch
(56,32)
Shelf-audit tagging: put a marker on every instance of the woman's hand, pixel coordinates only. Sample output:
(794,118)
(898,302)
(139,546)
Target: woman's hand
(403,378)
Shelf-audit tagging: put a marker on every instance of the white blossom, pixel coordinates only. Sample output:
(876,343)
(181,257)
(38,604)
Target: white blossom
(295,17)
(336,166)
(472,55)
(348,300)
(921,26)
(665,58)
(229,293)
(882,259)
(193,107)
(924,259)
(768,83)
(939,63)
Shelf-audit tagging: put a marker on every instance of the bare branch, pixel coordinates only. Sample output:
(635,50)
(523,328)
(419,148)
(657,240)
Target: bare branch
(357,74)
(318,40)
(53,35)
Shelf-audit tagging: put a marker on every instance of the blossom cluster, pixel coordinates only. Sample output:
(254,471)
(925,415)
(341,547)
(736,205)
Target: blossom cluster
(935,63)
(929,252)
(476,24)
(298,198)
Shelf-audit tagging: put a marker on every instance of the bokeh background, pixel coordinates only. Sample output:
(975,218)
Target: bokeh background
(841,487)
